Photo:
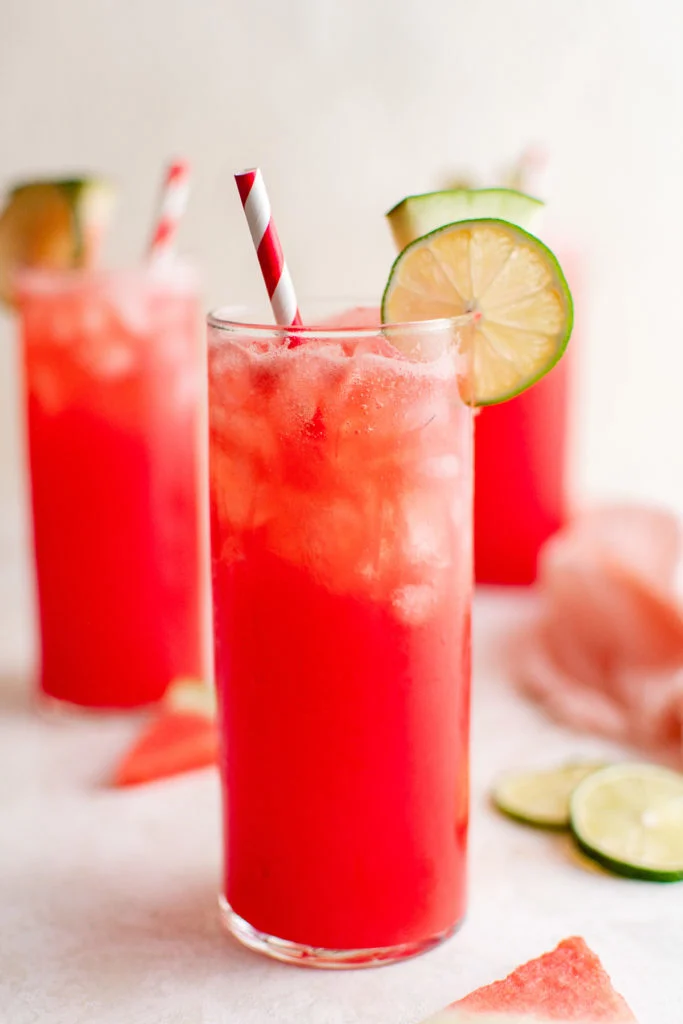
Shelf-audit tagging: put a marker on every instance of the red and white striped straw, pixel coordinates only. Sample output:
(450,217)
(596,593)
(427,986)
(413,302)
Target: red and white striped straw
(174,195)
(264,235)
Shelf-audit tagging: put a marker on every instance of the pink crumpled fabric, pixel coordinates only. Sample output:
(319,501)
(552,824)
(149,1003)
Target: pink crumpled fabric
(605,650)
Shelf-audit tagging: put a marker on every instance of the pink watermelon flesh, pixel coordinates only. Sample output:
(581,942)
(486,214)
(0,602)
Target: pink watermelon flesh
(172,743)
(569,984)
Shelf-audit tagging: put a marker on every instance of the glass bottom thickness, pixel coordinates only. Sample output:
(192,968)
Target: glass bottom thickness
(314,956)
(58,707)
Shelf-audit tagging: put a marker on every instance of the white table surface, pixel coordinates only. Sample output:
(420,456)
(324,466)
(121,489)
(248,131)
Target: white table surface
(108,899)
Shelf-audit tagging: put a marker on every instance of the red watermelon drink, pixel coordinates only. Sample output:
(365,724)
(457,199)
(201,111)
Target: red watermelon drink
(112,367)
(520,457)
(341,479)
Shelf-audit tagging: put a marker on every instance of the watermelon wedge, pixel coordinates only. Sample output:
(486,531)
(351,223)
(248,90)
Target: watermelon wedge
(182,737)
(568,985)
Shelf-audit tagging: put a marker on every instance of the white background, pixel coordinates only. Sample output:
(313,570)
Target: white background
(347,105)
(350,104)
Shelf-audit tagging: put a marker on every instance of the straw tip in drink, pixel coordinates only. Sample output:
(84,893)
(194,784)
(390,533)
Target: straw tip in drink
(264,235)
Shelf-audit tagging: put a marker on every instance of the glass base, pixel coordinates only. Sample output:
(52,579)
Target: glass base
(57,708)
(315,956)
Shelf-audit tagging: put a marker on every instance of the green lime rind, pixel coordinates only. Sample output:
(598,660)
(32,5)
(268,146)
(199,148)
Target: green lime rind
(624,868)
(559,280)
(541,798)
(76,193)
(509,193)
(52,223)
(564,289)
(542,824)
(91,201)
(417,215)
(629,819)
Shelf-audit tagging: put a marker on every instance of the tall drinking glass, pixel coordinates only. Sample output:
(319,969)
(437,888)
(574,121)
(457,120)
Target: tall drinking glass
(112,365)
(520,465)
(341,488)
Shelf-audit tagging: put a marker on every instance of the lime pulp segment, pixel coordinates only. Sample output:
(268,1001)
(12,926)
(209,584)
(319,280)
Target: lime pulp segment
(55,225)
(509,288)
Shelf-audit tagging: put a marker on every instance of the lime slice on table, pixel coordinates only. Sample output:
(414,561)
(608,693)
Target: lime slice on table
(418,215)
(541,798)
(629,818)
(505,283)
(191,695)
(53,224)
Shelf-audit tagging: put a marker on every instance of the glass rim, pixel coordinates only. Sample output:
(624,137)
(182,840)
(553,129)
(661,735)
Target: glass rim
(226,319)
(180,274)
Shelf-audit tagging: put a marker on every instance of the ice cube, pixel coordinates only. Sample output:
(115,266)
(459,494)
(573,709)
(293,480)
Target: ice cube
(295,398)
(376,345)
(415,603)
(244,433)
(49,386)
(330,539)
(62,327)
(187,388)
(441,467)
(231,551)
(426,539)
(265,374)
(240,492)
(230,386)
(107,357)
(129,304)
(95,318)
